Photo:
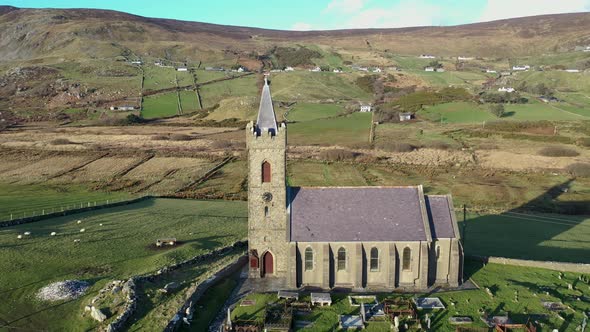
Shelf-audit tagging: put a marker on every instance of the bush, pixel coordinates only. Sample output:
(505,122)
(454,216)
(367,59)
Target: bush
(180,137)
(396,147)
(583,141)
(558,151)
(338,155)
(367,82)
(61,141)
(497,110)
(516,126)
(288,56)
(579,169)
(160,138)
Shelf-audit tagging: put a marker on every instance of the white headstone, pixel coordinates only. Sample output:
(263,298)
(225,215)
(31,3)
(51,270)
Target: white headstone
(396,321)
(228,317)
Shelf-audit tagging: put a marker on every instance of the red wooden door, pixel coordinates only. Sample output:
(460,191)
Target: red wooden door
(266,172)
(268,263)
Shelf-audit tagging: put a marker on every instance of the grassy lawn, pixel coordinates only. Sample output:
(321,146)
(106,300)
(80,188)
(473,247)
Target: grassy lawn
(189,101)
(309,86)
(318,174)
(118,249)
(347,130)
(504,282)
(214,93)
(458,112)
(34,198)
(538,237)
(538,111)
(161,105)
(454,78)
(184,78)
(307,111)
(156,78)
(206,75)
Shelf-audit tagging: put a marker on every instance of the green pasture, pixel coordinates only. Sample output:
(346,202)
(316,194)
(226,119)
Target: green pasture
(349,130)
(209,75)
(411,62)
(35,199)
(189,101)
(121,247)
(157,78)
(518,291)
(160,105)
(185,78)
(309,111)
(556,79)
(457,112)
(243,86)
(311,86)
(109,76)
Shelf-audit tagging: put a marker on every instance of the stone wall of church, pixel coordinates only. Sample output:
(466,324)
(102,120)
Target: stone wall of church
(267,219)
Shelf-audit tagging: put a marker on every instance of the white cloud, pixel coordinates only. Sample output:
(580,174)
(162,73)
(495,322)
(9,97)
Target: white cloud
(501,9)
(345,6)
(301,26)
(403,14)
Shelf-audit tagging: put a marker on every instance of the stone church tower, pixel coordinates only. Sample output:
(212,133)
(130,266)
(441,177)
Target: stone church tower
(267,192)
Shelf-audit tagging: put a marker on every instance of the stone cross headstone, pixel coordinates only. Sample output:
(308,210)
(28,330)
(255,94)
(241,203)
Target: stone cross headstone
(229,318)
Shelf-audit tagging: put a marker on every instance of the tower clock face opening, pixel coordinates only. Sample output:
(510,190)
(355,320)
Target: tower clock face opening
(267,197)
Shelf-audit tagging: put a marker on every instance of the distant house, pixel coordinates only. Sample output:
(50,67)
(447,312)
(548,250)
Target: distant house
(464,58)
(377,70)
(158,63)
(366,108)
(427,56)
(275,70)
(406,116)
(572,70)
(316,69)
(393,68)
(429,69)
(181,69)
(587,49)
(337,70)
(359,68)
(122,108)
(505,89)
(547,99)
(214,68)
(521,68)
(289,69)
(136,62)
(490,71)
(440,70)
(505,73)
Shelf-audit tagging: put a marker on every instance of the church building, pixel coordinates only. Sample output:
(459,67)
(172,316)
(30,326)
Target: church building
(372,238)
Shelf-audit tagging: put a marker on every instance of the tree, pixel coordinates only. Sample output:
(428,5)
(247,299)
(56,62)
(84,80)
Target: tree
(497,110)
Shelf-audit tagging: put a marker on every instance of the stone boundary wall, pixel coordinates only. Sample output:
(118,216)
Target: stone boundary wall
(70,212)
(130,285)
(558,266)
(200,289)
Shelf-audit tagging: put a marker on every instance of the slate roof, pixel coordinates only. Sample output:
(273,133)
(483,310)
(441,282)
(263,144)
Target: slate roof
(342,214)
(266,120)
(439,210)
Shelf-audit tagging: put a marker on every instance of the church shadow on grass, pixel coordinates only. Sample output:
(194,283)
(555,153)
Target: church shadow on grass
(520,234)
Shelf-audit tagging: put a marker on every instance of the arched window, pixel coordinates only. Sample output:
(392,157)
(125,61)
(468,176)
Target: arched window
(341,259)
(374,259)
(308,259)
(437,252)
(266,211)
(407,258)
(265,172)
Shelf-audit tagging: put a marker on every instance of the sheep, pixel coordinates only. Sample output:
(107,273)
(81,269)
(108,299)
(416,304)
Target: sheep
(79,222)
(27,233)
(77,241)
(83,230)
(19,237)
(53,233)
(99,224)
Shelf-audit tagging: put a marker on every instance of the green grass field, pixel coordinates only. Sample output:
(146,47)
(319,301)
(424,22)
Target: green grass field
(307,111)
(308,86)
(189,101)
(238,87)
(161,105)
(458,112)
(156,78)
(184,78)
(559,80)
(349,130)
(120,248)
(455,78)
(502,280)
(34,199)
(206,75)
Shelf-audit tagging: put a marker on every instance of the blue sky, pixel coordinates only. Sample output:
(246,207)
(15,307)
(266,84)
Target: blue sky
(325,14)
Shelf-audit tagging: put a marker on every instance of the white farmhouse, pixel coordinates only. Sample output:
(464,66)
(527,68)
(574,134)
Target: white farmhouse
(521,68)
(464,58)
(505,89)
(491,71)
(337,70)
(429,69)
(366,108)
(289,69)
(316,69)
(572,70)
(427,56)
(377,70)
(181,69)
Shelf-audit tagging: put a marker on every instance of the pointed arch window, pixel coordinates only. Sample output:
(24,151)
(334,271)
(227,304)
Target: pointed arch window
(437,252)
(374,263)
(407,258)
(266,172)
(266,211)
(341,259)
(308,259)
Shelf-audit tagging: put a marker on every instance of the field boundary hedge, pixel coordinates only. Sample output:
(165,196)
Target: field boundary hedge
(27,220)
(550,265)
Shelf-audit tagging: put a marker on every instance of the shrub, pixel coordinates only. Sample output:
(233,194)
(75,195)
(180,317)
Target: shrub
(160,138)
(558,151)
(497,110)
(338,155)
(396,147)
(579,169)
(180,137)
(61,141)
(367,82)
(583,141)
(288,56)
(515,126)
